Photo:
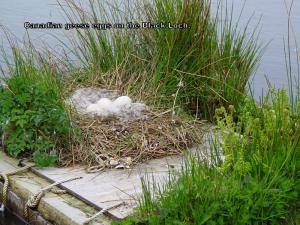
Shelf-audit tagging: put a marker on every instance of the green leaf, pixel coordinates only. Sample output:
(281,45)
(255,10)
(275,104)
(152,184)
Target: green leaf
(44,160)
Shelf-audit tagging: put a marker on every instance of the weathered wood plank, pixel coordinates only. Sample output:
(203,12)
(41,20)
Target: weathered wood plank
(113,186)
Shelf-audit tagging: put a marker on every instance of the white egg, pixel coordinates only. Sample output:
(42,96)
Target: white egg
(102,112)
(92,108)
(122,101)
(105,103)
(95,109)
(114,110)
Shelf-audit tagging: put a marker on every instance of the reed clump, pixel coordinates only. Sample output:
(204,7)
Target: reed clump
(199,68)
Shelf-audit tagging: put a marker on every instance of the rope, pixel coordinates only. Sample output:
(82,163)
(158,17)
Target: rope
(101,212)
(95,169)
(34,200)
(6,183)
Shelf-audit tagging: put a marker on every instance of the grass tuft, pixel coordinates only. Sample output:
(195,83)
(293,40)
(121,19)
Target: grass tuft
(199,68)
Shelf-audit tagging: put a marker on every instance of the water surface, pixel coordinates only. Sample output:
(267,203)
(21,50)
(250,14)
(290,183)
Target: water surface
(272,17)
(7,218)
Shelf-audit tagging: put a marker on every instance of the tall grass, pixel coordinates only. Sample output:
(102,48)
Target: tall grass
(258,183)
(292,70)
(205,65)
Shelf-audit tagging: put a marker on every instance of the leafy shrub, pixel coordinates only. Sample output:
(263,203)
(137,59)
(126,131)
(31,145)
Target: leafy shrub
(258,183)
(32,114)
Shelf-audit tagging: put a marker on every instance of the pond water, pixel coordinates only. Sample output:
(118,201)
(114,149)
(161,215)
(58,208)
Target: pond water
(273,26)
(7,218)
(272,17)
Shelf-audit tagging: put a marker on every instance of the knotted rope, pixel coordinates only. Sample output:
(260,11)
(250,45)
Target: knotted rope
(6,183)
(101,212)
(34,200)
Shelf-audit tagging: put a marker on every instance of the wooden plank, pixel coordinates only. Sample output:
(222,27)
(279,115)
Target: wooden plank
(7,164)
(111,187)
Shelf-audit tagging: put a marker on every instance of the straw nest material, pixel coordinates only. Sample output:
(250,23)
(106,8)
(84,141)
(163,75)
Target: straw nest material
(117,144)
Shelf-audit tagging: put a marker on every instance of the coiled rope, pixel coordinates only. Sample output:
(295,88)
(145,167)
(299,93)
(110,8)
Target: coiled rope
(34,200)
(6,183)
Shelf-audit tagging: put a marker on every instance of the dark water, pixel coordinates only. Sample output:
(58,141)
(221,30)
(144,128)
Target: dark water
(7,218)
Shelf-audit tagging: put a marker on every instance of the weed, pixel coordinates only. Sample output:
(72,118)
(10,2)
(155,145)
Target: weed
(33,118)
(258,183)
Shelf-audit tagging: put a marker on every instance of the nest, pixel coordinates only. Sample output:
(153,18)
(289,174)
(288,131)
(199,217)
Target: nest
(118,144)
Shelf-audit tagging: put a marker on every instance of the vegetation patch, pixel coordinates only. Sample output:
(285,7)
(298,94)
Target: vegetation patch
(33,118)
(258,183)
